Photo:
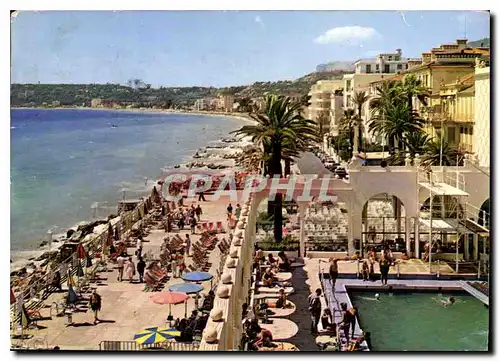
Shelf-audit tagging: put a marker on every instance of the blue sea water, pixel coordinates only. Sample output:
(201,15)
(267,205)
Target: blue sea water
(64,161)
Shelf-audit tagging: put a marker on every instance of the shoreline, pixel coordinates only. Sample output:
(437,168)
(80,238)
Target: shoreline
(20,258)
(240,116)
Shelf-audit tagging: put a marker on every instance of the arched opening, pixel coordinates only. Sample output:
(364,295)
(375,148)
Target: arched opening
(443,207)
(326,227)
(484,214)
(383,222)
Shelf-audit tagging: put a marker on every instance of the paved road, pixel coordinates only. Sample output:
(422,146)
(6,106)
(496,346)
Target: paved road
(308,163)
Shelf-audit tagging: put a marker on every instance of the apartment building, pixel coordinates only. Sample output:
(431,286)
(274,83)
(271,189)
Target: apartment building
(481,133)
(226,102)
(320,102)
(389,63)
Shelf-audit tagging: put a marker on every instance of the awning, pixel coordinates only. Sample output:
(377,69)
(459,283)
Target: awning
(438,225)
(443,189)
(475,228)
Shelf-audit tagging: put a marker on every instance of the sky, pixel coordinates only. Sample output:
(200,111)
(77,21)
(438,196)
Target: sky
(218,48)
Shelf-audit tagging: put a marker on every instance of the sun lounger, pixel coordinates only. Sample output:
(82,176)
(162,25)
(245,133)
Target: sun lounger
(151,285)
(219,228)
(275,290)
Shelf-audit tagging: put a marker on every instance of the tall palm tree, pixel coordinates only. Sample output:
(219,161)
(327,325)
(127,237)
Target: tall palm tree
(387,93)
(323,120)
(359,99)
(347,125)
(279,128)
(396,124)
(412,87)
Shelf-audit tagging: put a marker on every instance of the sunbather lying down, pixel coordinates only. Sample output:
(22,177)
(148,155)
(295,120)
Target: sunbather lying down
(281,302)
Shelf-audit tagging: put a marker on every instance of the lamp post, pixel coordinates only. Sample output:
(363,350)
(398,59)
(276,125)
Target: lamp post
(49,238)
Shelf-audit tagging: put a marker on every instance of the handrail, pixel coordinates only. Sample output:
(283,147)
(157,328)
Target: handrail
(134,346)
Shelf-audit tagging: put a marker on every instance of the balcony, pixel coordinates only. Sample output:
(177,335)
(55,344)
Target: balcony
(440,116)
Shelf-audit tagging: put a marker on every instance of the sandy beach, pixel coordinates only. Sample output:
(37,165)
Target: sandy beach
(126,308)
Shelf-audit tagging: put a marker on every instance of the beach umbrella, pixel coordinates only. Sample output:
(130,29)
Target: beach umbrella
(109,238)
(79,270)
(197,276)
(70,281)
(187,288)
(117,233)
(154,335)
(12,297)
(80,251)
(169,298)
(25,318)
(71,298)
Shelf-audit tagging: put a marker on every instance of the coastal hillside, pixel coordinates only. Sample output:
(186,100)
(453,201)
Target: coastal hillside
(31,95)
(482,43)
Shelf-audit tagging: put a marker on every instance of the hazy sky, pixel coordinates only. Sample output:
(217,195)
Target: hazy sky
(215,48)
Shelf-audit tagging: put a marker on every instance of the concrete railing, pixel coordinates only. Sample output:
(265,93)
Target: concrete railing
(224,328)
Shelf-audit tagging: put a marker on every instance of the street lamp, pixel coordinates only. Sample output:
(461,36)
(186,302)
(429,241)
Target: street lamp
(49,238)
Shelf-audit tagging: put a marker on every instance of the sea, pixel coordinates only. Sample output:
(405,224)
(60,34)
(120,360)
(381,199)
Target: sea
(72,165)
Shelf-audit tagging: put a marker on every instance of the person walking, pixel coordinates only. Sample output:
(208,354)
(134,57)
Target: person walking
(198,212)
(121,263)
(95,305)
(141,266)
(139,247)
(201,197)
(188,244)
(333,272)
(229,211)
(237,211)
(192,223)
(130,269)
(315,310)
(173,264)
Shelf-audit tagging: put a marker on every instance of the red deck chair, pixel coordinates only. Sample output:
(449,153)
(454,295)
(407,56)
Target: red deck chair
(219,227)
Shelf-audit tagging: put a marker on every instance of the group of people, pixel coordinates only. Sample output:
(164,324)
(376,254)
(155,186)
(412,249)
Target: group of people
(190,217)
(386,260)
(274,265)
(257,337)
(237,211)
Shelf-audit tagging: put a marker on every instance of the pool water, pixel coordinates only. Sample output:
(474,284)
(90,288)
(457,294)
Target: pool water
(418,322)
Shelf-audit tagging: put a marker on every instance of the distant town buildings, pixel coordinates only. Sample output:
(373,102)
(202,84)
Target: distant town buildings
(96,103)
(481,133)
(226,102)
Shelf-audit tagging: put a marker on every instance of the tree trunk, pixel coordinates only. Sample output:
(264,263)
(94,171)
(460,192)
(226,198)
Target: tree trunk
(277,170)
(287,167)
(360,136)
(278,218)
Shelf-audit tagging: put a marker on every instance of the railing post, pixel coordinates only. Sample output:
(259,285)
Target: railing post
(438,270)
(479,270)
(357,271)
(397,270)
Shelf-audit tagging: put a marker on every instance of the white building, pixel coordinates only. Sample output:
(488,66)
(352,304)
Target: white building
(389,63)
(320,94)
(481,136)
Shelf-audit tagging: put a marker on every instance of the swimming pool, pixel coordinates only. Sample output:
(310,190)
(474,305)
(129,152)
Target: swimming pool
(416,321)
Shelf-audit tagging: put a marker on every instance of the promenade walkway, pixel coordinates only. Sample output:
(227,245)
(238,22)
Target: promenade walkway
(126,309)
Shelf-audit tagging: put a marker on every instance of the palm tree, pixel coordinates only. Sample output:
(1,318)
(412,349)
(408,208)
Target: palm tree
(412,87)
(347,125)
(387,94)
(245,104)
(433,150)
(359,99)
(416,143)
(323,120)
(397,123)
(279,128)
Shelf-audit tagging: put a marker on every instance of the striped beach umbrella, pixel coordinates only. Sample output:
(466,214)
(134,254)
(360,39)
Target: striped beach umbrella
(155,335)
(80,251)
(79,270)
(71,298)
